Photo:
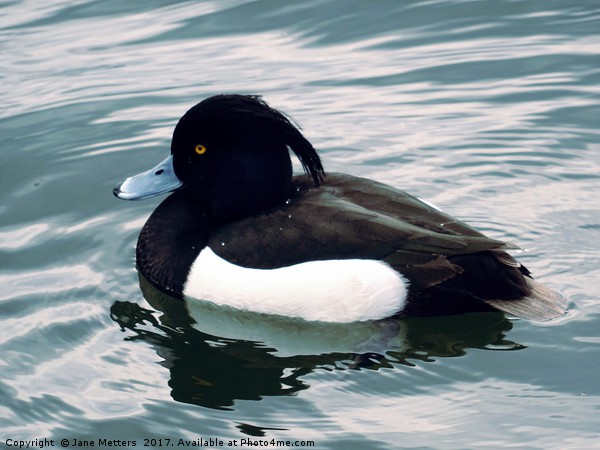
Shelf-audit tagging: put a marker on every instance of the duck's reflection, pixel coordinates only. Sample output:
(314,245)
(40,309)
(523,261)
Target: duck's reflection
(217,356)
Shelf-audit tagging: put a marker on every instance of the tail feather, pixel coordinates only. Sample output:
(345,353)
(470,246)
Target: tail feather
(542,304)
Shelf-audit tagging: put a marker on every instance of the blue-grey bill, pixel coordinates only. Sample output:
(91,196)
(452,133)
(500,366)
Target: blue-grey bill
(156,181)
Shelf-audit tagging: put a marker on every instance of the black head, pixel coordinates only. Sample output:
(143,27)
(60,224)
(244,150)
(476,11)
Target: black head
(231,153)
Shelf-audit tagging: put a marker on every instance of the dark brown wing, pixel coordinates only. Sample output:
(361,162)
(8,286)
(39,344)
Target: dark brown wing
(350,217)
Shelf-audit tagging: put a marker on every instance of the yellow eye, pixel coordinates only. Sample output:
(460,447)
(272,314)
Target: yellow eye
(200,149)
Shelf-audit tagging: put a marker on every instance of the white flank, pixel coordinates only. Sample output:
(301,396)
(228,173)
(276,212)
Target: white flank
(343,290)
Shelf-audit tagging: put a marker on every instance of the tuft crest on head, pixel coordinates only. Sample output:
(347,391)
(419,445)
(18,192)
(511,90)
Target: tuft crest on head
(254,111)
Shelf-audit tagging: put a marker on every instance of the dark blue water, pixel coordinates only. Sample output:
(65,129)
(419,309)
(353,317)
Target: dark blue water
(488,109)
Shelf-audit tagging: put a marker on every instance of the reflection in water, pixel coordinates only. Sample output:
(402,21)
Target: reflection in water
(216,356)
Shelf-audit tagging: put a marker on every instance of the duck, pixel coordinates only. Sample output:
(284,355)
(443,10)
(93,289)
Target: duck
(241,231)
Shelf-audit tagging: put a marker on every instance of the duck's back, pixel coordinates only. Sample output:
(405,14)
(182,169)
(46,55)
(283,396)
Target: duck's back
(347,217)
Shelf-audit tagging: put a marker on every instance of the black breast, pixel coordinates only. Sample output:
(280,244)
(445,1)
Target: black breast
(170,242)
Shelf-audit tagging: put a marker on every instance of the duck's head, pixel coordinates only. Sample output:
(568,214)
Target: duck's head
(230,154)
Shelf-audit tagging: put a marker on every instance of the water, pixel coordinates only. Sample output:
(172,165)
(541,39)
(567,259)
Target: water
(487,109)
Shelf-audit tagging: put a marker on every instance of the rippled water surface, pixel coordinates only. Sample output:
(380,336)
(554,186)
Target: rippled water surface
(488,109)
